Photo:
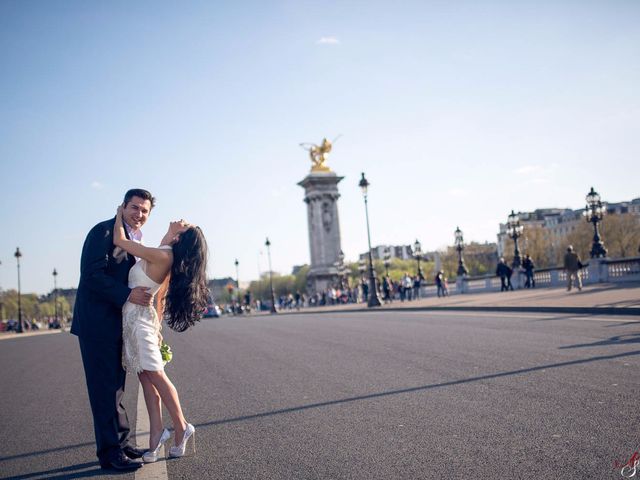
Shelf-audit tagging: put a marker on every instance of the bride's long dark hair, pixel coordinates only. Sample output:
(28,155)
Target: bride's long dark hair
(188,294)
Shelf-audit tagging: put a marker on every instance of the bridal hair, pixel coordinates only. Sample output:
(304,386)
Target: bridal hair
(188,294)
(140,193)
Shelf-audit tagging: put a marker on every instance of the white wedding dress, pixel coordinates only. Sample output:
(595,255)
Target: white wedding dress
(141,326)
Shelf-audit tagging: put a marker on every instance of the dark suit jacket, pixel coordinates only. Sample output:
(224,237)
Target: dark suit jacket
(103,288)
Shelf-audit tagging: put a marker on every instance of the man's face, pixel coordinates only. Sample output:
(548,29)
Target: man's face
(136,212)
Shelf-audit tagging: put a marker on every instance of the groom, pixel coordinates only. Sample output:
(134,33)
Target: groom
(97,321)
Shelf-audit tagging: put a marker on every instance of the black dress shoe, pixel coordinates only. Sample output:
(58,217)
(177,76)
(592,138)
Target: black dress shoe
(133,452)
(121,462)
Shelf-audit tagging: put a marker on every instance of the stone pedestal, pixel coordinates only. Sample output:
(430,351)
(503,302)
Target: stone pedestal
(321,197)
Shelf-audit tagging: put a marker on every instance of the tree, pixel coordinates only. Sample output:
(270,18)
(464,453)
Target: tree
(33,307)
(621,235)
(479,259)
(536,242)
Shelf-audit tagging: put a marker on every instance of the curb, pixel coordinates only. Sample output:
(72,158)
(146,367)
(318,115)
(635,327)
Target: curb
(10,335)
(574,310)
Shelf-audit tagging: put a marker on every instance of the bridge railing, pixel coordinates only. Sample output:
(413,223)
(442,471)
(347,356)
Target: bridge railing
(596,270)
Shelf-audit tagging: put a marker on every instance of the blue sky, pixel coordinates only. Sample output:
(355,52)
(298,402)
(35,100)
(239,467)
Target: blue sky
(458,112)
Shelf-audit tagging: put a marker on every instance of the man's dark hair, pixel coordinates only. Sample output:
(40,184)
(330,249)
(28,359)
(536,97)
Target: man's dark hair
(140,193)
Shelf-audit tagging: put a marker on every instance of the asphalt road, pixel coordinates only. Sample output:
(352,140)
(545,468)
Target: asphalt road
(380,395)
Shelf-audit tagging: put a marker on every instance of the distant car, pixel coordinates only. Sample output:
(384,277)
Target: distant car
(213,311)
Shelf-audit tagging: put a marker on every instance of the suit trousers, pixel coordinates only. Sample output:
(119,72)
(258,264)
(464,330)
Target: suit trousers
(105,384)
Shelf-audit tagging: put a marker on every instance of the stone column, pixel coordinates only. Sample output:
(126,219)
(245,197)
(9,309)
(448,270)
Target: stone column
(321,196)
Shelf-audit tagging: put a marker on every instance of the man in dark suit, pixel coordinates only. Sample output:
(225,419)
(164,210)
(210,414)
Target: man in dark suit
(97,321)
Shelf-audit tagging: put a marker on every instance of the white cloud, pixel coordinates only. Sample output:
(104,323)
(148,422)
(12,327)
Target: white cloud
(96,185)
(328,41)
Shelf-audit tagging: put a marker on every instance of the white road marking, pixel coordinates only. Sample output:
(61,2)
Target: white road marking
(150,471)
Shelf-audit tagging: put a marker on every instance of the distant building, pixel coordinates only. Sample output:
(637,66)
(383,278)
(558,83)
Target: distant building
(557,223)
(219,286)
(404,252)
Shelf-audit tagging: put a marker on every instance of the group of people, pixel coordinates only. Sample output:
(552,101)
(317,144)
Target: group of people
(505,272)
(407,288)
(125,292)
(572,267)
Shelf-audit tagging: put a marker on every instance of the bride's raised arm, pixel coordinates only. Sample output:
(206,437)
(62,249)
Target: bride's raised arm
(151,255)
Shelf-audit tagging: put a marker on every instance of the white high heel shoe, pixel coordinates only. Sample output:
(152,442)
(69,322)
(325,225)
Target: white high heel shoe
(178,451)
(151,456)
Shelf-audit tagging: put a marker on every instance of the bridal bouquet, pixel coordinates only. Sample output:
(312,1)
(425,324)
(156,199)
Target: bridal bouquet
(165,351)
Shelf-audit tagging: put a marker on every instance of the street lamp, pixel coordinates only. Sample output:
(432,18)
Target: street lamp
(55,295)
(273,298)
(417,252)
(19,327)
(373,300)
(237,279)
(514,230)
(387,260)
(594,213)
(462,270)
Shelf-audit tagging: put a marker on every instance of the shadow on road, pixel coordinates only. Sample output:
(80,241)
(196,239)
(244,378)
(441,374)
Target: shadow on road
(71,471)
(616,340)
(329,403)
(419,389)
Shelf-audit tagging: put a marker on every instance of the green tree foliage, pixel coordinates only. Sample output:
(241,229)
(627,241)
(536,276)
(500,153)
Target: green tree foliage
(479,259)
(33,307)
(620,234)
(282,284)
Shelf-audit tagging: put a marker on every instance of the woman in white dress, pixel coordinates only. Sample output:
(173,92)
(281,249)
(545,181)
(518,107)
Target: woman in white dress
(175,272)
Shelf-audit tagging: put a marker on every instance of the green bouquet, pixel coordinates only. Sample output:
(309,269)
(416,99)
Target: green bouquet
(165,351)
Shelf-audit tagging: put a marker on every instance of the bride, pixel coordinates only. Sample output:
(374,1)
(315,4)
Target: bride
(175,272)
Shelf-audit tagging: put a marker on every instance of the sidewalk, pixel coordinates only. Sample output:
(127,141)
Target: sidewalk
(603,298)
(30,333)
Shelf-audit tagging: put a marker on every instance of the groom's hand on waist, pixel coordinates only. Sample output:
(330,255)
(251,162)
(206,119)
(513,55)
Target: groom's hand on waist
(140,296)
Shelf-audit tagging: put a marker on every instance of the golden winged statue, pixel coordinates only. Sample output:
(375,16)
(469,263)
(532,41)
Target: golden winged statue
(318,154)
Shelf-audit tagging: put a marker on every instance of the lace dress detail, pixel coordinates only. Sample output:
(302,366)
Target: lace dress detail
(141,327)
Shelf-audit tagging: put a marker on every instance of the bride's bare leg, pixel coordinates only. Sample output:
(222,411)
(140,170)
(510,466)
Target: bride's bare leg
(169,396)
(154,407)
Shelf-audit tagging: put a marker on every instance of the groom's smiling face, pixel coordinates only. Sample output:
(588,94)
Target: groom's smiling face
(136,212)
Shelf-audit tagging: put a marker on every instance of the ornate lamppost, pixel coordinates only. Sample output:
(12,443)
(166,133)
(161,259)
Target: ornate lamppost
(55,295)
(514,230)
(594,213)
(374,300)
(417,252)
(19,327)
(462,270)
(273,298)
(387,261)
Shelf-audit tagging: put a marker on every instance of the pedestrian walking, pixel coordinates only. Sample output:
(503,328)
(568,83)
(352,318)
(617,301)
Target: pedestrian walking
(417,283)
(365,290)
(528,266)
(572,266)
(386,288)
(407,283)
(504,271)
(439,279)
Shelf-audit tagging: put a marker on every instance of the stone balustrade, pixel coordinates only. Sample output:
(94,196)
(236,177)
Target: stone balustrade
(597,270)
